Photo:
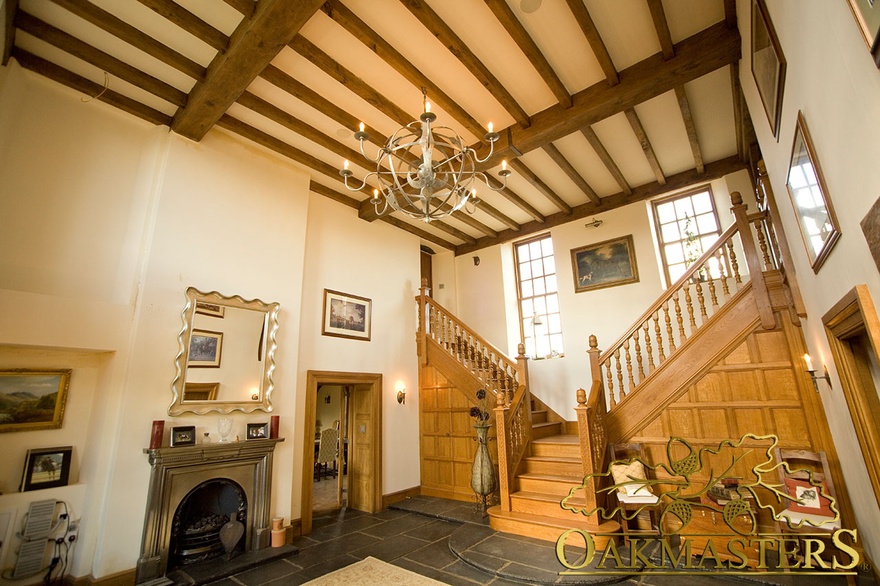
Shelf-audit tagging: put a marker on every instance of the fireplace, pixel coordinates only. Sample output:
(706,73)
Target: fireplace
(193,492)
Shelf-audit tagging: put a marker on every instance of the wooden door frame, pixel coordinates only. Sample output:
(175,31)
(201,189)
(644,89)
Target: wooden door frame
(315,378)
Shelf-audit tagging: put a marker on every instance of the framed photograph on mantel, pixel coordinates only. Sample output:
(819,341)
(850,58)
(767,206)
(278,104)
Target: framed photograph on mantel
(604,264)
(768,64)
(346,316)
(810,198)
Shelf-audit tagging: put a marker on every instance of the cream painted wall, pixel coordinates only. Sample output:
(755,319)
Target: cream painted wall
(832,79)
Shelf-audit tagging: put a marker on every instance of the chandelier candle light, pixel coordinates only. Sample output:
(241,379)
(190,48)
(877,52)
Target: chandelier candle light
(423,171)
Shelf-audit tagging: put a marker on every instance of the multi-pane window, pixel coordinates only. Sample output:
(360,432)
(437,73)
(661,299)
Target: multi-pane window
(540,322)
(687,225)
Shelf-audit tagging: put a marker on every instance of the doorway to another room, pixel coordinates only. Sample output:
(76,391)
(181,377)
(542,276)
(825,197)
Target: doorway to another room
(342,451)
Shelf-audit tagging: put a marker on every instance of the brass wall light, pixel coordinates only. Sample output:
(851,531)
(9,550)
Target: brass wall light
(808,360)
(401,394)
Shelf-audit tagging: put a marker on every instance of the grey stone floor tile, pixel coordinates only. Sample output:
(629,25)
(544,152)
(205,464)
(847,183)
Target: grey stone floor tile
(349,526)
(331,565)
(397,526)
(266,572)
(436,529)
(441,575)
(317,554)
(389,549)
(435,555)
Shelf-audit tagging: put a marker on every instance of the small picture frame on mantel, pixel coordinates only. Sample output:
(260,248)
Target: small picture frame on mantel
(257,431)
(46,468)
(184,435)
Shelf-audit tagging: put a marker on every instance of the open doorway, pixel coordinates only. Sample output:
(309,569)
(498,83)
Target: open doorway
(347,470)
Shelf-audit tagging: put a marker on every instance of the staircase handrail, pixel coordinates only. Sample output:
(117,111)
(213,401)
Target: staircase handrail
(513,432)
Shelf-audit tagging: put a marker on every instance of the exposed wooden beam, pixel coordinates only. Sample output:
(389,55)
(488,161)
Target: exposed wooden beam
(432,21)
(511,196)
(572,173)
(658,15)
(246,7)
(685,107)
(443,226)
(70,44)
(532,178)
(333,194)
(606,159)
(133,36)
(276,114)
(88,87)
(348,79)
(367,212)
(730,13)
(383,49)
(312,98)
(189,22)
(713,170)
(252,46)
(495,213)
(588,27)
(647,148)
(423,234)
(702,53)
(524,40)
(9,30)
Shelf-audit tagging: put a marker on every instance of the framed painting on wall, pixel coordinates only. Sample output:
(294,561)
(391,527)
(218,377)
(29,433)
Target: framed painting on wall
(604,264)
(32,399)
(809,196)
(205,349)
(768,64)
(867,15)
(346,316)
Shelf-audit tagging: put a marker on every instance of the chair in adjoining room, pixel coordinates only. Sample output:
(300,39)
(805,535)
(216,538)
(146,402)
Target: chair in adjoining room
(632,496)
(327,450)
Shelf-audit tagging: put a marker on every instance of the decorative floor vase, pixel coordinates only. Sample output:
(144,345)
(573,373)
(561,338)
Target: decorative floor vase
(483,472)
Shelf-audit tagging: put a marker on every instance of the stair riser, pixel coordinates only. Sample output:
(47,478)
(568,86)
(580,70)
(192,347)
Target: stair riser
(554,468)
(557,450)
(539,507)
(546,430)
(547,533)
(554,487)
(539,417)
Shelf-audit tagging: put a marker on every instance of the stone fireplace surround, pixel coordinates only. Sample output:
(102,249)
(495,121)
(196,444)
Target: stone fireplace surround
(176,471)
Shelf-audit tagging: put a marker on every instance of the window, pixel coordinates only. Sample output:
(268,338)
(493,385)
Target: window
(687,225)
(539,319)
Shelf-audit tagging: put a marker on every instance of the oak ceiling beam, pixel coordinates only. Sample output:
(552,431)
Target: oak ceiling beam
(606,159)
(88,87)
(383,49)
(70,44)
(495,213)
(536,182)
(588,27)
(432,21)
(713,170)
(730,13)
(685,107)
(349,80)
(702,53)
(276,114)
(252,46)
(511,196)
(367,212)
(524,40)
(133,36)
(453,231)
(658,15)
(312,98)
(333,194)
(246,7)
(647,147)
(569,170)
(189,22)
(9,32)
(423,234)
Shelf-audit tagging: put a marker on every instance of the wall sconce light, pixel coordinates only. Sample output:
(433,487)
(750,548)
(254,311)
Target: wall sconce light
(401,394)
(594,224)
(809,362)
(476,261)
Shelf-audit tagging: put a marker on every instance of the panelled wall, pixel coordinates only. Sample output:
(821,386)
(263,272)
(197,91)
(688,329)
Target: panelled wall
(448,439)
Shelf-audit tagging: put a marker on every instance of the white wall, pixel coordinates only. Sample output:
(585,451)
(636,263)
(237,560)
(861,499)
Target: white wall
(104,222)
(832,79)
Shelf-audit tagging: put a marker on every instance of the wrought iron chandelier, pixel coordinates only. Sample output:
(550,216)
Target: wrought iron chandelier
(425,171)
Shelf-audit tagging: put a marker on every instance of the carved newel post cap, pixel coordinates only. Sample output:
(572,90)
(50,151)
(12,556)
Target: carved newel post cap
(499,399)
(521,349)
(736,198)
(594,343)
(581,397)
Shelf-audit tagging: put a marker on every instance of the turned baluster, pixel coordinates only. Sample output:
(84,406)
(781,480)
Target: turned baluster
(733,264)
(701,301)
(668,327)
(774,242)
(648,347)
(659,338)
(472,346)
(619,367)
(689,306)
(682,337)
(611,400)
(762,243)
(639,355)
(721,269)
(712,294)
(629,366)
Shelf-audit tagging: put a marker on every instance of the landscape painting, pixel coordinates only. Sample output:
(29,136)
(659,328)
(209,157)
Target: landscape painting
(32,399)
(346,316)
(604,264)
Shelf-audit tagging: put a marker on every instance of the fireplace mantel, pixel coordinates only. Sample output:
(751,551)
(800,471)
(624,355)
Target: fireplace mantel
(178,470)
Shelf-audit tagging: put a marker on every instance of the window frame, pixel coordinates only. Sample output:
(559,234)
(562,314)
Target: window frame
(520,298)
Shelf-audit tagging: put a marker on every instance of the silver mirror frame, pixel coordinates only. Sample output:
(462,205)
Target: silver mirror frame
(267,383)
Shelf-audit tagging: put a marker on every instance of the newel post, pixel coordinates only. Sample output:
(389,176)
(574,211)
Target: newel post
(593,352)
(501,409)
(522,366)
(753,260)
(423,325)
(586,444)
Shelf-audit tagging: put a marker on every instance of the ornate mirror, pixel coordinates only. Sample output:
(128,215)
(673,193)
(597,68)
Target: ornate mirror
(227,355)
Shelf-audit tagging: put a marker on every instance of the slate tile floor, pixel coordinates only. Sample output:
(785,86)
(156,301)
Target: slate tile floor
(420,535)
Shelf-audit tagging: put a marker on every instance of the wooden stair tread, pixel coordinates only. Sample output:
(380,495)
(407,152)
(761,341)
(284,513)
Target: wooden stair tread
(542,496)
(576,478)
(555,459)
(568,521)
(558,439)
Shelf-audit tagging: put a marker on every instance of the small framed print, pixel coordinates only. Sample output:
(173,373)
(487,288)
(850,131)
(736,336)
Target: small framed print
(183,436)
(346,316)
(46,468)
(768,64)
(212,309)
(205,349)
(257,431)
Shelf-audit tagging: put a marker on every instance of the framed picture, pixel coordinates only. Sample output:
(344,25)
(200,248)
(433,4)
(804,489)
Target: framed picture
(810,199)
(768,64)
(871,229)
(200,391)
(32,399)
(257,431)
(212,309)
(184,435)
(205,348)
(346,316)
(46,468)
(604,264)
